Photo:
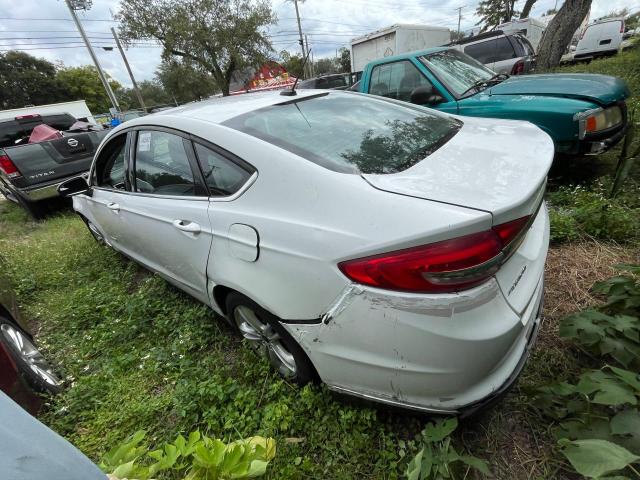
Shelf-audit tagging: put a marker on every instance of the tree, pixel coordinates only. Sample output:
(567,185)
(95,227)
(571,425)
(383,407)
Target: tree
(454,36)
(292,63)
(27,80)
(325,66)
(526,10)
(83,83)
(344,60)
(153,94)
(218,36)
(185,82)
(560,31)
(494,12)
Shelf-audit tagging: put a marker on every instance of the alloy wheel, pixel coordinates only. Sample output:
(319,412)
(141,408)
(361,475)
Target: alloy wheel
(264,339)
(29,354)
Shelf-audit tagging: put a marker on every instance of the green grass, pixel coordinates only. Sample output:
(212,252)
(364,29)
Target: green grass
(138,354)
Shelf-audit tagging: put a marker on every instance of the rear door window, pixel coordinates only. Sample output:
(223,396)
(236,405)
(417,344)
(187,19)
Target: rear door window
(222,176)
(482,51)
(396,80)
(503,50)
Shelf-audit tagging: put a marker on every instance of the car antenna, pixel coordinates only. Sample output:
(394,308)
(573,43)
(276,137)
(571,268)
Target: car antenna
(292,92)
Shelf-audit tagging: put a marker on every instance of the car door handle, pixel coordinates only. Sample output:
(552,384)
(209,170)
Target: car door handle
(113,206)
(187,226)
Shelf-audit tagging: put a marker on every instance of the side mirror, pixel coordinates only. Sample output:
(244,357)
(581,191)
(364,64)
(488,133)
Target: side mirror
(74,186)
(425,95)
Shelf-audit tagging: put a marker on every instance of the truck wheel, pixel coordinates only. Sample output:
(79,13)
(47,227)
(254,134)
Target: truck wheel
(268,338)
(31,364)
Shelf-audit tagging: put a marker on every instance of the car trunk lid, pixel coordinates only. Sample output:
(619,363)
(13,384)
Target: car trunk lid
(497,166)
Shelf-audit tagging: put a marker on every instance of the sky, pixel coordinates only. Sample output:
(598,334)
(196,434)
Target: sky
(44,28)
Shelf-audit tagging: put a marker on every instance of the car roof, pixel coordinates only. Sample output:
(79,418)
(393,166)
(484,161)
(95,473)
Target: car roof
(404,56)
(220,109)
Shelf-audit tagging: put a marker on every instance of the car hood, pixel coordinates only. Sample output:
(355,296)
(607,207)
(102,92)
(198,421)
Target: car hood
(601,89)
(497,166)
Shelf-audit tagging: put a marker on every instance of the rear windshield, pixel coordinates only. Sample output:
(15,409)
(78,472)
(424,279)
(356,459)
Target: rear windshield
(351,133)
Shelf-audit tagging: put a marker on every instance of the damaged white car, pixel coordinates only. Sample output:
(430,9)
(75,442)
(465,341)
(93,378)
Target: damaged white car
(394,252)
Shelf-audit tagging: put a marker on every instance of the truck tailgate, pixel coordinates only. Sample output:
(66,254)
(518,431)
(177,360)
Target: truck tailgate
(60,158)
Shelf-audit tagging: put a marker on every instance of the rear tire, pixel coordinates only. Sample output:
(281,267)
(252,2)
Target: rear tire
(31,364)
(269,338)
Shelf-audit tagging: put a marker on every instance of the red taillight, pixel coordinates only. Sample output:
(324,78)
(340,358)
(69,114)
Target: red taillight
(518,68)
(446,266)
(8,168)
(621,27)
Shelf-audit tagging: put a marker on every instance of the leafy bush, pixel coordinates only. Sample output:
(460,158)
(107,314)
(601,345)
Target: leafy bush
(196,458)
(438,459)
(576,211)
(598,427)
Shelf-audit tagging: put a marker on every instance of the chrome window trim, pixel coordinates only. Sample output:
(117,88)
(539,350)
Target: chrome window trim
(203,198)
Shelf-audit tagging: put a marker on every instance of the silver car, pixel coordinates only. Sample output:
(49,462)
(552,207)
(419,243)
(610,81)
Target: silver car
(512,54)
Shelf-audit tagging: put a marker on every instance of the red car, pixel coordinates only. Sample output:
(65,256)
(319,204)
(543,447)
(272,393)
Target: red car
(24,372)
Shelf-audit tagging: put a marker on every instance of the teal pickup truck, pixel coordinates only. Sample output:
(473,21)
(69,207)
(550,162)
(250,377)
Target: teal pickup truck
(583,114)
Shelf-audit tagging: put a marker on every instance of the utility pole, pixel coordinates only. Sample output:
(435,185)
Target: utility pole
(126,62)
(310,65)
(83,5)
(459,19)
(295,2)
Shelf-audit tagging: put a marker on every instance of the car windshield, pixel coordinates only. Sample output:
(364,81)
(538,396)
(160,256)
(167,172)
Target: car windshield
(457,70)
(350,133)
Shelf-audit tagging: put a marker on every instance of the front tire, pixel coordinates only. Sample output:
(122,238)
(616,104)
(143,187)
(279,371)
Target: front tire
(31,364)
(269,338)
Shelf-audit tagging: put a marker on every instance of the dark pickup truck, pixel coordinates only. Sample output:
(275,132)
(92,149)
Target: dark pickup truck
(31,172)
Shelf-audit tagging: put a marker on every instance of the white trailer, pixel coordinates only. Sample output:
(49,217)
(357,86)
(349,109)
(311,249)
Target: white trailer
(531,28)
(77,109)
(394,40)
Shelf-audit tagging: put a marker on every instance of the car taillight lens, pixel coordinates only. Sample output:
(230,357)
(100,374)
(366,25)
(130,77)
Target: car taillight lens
(621,27)
(8,168)
(518,68)
(447,266)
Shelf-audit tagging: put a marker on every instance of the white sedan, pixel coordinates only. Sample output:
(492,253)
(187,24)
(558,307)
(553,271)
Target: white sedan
(392,251)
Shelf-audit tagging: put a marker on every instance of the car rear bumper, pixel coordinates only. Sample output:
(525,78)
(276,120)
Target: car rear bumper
(443,354)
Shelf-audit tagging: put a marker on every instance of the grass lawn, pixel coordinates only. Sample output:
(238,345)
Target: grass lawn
(139,354)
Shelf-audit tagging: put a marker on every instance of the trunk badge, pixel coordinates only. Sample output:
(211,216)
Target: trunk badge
(515,284)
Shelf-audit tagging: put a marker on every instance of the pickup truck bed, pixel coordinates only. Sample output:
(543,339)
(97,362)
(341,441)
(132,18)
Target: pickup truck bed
(31,172)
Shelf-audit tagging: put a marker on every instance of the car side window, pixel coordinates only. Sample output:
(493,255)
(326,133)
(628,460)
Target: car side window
(110,165)
(482,51)
(222,176)
(396,80)
(162,165)
(504,50)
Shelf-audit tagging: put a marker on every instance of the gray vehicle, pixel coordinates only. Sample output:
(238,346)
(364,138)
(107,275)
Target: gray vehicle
(506,53)
(31,172)
(338,81)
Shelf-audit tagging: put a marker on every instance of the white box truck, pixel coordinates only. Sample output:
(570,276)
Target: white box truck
(531,28)
(76,108)
(394,40)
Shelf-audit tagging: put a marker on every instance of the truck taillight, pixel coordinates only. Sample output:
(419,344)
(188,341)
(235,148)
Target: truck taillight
(518,68)
(447,266)
(8,168)
(621,27)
